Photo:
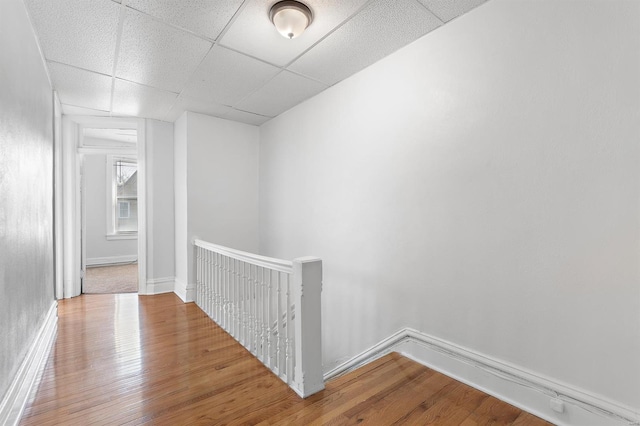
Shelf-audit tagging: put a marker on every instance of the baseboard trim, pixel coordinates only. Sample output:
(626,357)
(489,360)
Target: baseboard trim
(111,260)
(524,389)
(184,292)
(161,285)
(15,399)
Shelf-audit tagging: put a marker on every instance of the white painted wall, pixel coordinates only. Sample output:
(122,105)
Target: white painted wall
(26,185)
(223,181)
(99,249)
(216,167)
(481,186)
(160,200)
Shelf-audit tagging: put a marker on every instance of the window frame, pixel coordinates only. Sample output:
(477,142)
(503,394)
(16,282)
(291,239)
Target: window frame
(112,204)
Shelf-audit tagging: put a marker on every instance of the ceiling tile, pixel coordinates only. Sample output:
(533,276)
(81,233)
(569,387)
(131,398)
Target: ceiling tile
(253,33)
(281,93)
(225,76)
(203,17)
(447,9)
(76,110)
(81,88)
(186,103)
(77,32)
(156,54)
(141,101)
(375,32)
(247,117)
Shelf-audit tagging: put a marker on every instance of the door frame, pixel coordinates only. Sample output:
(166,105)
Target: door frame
(74,262)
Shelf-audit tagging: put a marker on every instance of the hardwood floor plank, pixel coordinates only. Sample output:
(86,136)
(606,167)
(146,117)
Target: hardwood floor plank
(129,359)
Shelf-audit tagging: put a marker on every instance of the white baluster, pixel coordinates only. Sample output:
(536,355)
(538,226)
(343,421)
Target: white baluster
(290,328)
(269,325)
(280,329)
(243,305)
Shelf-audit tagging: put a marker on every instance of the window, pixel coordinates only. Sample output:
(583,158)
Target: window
(124,209)
(122,214)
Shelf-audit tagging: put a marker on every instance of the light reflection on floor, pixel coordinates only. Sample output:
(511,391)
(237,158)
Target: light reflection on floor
(126,334)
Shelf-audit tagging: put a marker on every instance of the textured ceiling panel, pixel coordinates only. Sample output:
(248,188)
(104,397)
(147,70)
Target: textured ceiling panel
(447,9)
(251,74)
(77,32)
(141,101)
(246,117)
(204,17)
(81,88)
(186,103)
(278,95)
(225,76)
(254,34)
(377,31)
(156,54)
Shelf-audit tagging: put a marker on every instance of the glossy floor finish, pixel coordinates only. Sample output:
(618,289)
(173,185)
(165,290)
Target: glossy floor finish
(125,359)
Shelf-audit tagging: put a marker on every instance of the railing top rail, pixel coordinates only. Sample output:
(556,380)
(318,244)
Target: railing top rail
(243,256)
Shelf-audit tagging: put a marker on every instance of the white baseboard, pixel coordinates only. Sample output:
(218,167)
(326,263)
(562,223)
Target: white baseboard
(111,260)
(15,400)
(526,390)
(184,292)
(161,285)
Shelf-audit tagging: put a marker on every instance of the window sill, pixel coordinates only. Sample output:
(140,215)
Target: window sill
(132,236)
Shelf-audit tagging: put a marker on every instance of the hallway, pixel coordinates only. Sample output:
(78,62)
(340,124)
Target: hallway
(124,359)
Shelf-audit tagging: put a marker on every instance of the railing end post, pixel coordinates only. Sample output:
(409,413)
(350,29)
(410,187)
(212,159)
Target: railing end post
(307,280)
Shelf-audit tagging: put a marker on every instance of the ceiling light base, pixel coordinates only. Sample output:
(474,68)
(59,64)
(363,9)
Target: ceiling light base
(290,18)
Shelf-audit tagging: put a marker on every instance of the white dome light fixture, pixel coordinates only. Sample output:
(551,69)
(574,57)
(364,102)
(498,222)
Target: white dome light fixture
(290,18)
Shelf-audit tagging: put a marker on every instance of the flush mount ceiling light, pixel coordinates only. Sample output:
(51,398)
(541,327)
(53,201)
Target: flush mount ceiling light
(290,18)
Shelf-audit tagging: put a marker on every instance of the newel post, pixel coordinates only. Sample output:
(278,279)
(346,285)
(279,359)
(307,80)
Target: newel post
(307,286)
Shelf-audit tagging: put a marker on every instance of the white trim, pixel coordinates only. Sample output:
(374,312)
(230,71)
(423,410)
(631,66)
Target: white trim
(376,351)
(15,400)
(58,221)
(108,151)
(243,256)
(113,237)
(74,258)
(142,205)
(111,260)
(184,292)
(161,285)
(529,391)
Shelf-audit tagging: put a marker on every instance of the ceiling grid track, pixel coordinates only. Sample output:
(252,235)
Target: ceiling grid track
(222,58)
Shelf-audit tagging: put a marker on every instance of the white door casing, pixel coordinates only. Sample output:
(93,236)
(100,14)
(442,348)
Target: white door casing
(72,150)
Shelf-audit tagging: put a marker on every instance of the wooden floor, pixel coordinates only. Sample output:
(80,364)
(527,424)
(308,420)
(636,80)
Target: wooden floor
(124,359)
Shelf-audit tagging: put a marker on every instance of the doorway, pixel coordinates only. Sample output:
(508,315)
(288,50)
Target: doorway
(104,225)
(110,212)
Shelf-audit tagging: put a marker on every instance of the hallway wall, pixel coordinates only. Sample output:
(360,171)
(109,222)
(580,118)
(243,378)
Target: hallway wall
(479,185)
(26,187)
(216,189)
(160,201)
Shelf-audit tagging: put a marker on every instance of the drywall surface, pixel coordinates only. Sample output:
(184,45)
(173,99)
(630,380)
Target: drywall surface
(479,185)
(160,196)
(223,181)
(26,185)
(216,188)
(98,247)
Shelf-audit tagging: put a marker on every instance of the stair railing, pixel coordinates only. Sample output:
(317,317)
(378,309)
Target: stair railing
(270,306)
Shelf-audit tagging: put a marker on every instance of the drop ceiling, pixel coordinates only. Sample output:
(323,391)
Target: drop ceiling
(159,58)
